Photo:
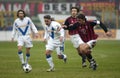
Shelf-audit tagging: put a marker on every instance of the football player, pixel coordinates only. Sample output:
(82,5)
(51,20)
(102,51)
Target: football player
(22,28)
(54,38)
(74,36)
(86,32)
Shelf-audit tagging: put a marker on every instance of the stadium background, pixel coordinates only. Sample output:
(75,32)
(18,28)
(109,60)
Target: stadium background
(107,11)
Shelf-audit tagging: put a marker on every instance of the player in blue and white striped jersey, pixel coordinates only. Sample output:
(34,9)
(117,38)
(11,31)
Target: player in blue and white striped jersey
(22,28)
(54,38)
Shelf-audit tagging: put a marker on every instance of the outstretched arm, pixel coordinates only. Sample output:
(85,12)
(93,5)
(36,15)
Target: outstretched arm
(108,33)
(96,22)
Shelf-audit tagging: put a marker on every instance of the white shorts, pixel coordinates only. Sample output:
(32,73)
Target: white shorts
(92,43)
(57,46)
(76,40)
(25,40)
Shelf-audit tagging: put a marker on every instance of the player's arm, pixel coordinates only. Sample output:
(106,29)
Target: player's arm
(108,33)
(73,27)
(62,34)
(13,32)
(58,28)
(96,22)
(45,35)
(65,25)
(33,28)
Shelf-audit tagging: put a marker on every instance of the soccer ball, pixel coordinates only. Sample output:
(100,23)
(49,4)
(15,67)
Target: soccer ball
(27,68)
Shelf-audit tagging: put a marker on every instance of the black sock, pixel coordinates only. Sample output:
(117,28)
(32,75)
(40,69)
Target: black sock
(83,57)
(89,56)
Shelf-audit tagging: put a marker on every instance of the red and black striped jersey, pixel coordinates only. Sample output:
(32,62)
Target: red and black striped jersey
(86,31)
(69,22)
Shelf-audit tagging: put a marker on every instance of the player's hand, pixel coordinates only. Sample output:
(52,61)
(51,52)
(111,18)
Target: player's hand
(71,25)
(64,26)
(109,34)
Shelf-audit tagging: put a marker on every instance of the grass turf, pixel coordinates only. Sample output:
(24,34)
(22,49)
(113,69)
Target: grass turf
(106,53)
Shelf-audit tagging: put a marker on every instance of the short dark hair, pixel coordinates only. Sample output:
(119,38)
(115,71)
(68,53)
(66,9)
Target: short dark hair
(81,16)
(21,11)
(75,8)
(47,17)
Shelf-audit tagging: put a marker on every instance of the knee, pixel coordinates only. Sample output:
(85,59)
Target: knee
(19,48)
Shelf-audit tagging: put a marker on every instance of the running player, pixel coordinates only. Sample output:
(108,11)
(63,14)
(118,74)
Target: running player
(74,37)
(54,38)
(86,31)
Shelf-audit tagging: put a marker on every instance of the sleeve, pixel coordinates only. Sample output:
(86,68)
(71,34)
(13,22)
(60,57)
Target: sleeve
(34,29)
(62,32)
(103,27)
(93,23)
(96,22)
(73,27)
(56,26)
(45,33)
(66,23)
(13,31)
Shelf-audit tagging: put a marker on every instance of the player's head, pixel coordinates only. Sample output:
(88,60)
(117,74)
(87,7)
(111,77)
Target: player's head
(81,18)
(74,11)
(47,19)
(21,14)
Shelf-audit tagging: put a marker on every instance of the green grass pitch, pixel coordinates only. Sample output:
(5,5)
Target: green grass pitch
(106,53)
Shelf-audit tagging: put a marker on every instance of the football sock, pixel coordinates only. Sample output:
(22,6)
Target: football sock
(63,56)
(20,54)
(49,60)
(27,58)
(89,56)
(83,57)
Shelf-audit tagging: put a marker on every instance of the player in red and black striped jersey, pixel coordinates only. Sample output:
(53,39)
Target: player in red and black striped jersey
(74,36)
(86,31)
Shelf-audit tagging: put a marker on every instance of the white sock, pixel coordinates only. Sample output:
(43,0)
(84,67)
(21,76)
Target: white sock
(64,56)
(20,54)
(27,58)
(50,62)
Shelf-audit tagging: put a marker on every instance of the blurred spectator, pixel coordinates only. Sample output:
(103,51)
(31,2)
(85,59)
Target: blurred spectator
(8,27)
(1,28)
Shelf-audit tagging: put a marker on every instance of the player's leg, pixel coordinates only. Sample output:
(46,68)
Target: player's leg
(28,45)
(20,53)
(49,60)
(92,43)
(61,55)
(83,56)
(93,64)
(27,55)
(49,49)
(76,41)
